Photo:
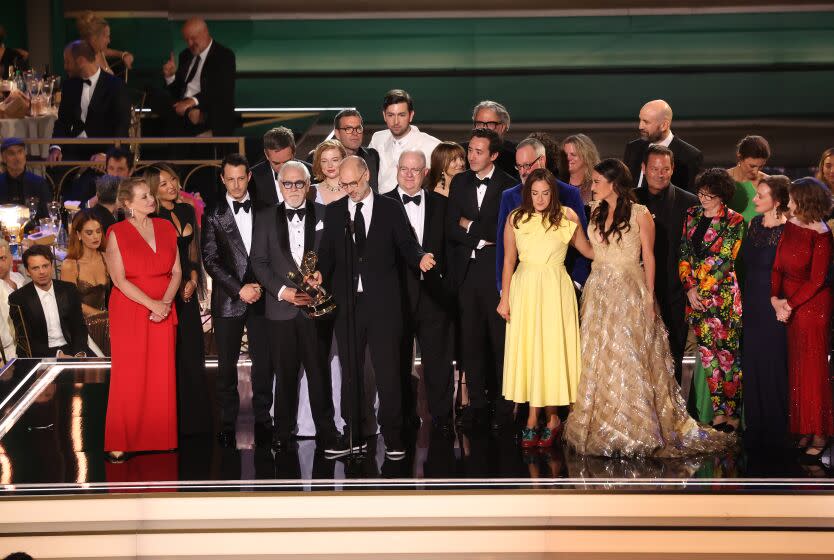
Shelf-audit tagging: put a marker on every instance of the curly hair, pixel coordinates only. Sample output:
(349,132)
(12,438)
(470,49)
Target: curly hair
(553,213)
(812,199)
(717,182)
(90,24)
(616,172)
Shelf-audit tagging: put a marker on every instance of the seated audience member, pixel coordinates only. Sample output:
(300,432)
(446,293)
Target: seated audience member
(46,312)
(107,187)
(200,96)
(494,116)
(399,136)
(117,162)
(95,30)
(85,267)
(11,57)
(94,104)
(279,148)
(12,279)
(447,160)
(17,184)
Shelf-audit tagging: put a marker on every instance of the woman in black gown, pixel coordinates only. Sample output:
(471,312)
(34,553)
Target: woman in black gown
(764,342)
(193,404)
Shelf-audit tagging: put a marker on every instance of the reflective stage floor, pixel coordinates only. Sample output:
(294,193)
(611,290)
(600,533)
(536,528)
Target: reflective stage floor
(52,430)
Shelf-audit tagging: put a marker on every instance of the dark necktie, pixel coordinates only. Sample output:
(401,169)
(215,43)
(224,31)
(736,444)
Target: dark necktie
(415,199)
(88,82)
(359,229)
(192,72)
(296,212)
(246,205)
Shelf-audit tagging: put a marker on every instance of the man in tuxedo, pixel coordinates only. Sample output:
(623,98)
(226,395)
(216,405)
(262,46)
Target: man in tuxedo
(471,224)
(47,311)
(283,236)
(237,302)
(494,116)
(400,135)
(93,104)
(350,131)
(17,184)
(426,309)
(362,274)
(655,128)
(279,148)
(530,155)
(200,87)
(668,205)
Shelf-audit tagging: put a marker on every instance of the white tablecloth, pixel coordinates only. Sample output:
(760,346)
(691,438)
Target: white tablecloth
(30,127)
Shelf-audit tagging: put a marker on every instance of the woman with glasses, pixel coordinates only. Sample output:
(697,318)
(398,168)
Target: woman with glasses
(193,407)
(801,297)
(326,159)
(710,245)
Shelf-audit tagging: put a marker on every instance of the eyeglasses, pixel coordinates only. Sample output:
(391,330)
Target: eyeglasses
(492,125)
(352,129)
(527,166)
(351,185)
(411,170)
(707,196)
(294,184)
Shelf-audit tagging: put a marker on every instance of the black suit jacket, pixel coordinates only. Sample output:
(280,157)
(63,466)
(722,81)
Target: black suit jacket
(108,114)
(669,213)
(104,216)
(371,157)
(226,260)
(263,190)
(434,241)
(389,238)
(688,161)
(463,202)
(217,87)
(33,185)
(272,257)
(34,320)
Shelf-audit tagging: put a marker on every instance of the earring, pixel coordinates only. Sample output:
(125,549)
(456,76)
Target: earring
(130,212)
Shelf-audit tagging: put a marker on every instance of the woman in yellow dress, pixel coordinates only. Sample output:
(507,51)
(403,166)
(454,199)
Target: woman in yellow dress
(541,352)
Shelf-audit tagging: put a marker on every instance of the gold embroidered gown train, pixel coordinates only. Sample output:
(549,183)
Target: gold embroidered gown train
(628,402)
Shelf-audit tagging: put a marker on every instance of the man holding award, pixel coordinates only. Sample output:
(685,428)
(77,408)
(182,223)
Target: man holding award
(286,238)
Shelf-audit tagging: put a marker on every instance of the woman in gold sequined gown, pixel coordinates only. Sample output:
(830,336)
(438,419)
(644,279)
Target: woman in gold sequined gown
(628,402)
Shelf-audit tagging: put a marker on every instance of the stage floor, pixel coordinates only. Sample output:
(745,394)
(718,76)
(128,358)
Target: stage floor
(52,430)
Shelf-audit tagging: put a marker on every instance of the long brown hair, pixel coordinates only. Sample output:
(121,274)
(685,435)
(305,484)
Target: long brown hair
(618,174)
(825,155)
(553,213)
(75,248)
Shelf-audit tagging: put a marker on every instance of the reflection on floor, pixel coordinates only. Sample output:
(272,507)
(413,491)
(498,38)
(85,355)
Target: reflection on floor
(59,439)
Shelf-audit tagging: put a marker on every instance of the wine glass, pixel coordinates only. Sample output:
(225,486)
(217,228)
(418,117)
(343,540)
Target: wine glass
(54,209)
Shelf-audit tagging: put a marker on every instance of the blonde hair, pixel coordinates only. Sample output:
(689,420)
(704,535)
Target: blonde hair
(90,25)
(331,144)
(126,188)
(587,152)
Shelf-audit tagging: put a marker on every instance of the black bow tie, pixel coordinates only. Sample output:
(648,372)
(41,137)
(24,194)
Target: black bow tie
(297,212)
(88,82)
(246,205)
(483,183)
(415,199)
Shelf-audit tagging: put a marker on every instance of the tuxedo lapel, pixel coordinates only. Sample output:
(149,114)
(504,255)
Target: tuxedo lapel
(64,310)
(283,231)
(227,221)
(98,94)
(36,313)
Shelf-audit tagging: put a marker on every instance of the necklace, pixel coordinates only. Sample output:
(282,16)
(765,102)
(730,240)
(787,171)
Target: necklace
(331,189)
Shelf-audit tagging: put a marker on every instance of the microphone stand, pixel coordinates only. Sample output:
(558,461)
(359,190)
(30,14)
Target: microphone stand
(352,368)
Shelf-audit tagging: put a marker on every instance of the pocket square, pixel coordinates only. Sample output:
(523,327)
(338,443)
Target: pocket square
(320,226)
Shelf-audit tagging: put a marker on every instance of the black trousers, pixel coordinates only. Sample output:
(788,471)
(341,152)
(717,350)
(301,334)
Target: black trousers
(430,324)
(482,333)
(228,333)
(380,338)
(673,315)
(300,342)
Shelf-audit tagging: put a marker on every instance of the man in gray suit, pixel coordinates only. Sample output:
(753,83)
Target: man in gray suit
(282,236)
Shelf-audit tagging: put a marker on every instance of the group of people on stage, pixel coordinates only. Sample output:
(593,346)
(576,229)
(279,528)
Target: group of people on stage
(555,279)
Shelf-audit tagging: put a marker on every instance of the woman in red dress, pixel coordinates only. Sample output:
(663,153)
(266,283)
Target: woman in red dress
(802,299)
(145,269)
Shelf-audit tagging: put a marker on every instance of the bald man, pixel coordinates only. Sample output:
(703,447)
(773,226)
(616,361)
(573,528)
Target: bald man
(201,86)
(655,127)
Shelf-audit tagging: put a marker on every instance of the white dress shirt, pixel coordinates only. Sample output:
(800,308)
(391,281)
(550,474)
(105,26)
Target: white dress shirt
(481,193)
(390,148)
(192,88)
(6,325)
(295,228)
(367,212)
(665,143)
(416,213)
(243,220)
(86,96)
(49,303)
